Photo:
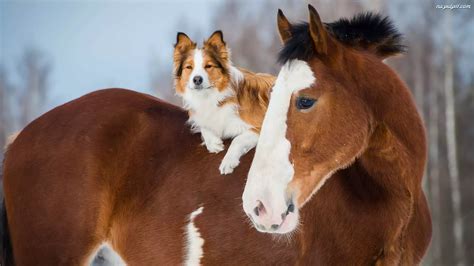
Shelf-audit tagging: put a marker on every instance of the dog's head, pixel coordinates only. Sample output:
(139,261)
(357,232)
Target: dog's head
(201,71)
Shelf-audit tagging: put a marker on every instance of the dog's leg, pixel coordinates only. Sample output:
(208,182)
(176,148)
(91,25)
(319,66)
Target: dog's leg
(213,143)
(240,145)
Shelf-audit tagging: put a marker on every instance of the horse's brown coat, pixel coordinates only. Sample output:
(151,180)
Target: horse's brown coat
(121,166)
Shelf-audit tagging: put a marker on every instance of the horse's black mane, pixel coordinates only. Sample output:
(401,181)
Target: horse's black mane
(362,31)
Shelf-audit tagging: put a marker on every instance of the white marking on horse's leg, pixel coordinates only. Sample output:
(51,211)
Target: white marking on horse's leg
(194,241)
(105,255)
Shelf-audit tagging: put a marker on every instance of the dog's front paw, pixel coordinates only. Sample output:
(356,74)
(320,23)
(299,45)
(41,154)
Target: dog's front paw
(214,146)
(228,164)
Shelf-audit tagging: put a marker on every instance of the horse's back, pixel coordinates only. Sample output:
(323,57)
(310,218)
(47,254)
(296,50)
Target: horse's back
(67,171)
(123,168)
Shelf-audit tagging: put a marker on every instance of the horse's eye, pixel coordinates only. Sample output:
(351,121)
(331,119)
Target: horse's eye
(303,103)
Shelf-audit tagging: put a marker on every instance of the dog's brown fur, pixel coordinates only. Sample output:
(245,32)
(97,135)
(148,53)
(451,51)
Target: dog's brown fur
(252,97)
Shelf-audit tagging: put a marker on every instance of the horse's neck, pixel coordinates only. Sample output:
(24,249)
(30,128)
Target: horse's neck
(390,163)
(378,188)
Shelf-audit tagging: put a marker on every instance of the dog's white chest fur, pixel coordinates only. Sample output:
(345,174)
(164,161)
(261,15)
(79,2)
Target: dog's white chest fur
(224,121)
(216,122)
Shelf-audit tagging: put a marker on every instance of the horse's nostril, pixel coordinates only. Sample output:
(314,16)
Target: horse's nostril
(291,208)
(256,211)
(260,209)
(275,226)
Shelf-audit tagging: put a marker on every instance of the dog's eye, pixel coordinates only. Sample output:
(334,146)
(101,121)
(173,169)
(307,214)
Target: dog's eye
(189,67)
(303,103)
(208,66)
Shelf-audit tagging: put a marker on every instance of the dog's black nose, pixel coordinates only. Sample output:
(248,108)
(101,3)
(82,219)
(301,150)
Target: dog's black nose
(197,80)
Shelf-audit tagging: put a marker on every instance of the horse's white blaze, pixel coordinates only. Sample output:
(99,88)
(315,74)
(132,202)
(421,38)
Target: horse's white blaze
(105,255)
(194,241)
(271,169)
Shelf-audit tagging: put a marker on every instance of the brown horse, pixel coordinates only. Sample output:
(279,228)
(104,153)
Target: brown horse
(119,172)
(338,115)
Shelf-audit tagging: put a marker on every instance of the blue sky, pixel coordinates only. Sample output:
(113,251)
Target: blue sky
(97,44)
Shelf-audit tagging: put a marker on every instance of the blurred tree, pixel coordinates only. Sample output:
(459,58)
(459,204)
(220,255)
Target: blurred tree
(451,142)
(24,100)
(33,70)
(5,110)
(465,114)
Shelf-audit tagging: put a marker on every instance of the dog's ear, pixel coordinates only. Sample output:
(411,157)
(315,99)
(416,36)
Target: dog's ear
(215,44)
(182,47)
(216,39)
(183,43)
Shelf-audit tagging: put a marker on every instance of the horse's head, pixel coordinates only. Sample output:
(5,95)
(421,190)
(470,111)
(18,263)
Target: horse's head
(319,119)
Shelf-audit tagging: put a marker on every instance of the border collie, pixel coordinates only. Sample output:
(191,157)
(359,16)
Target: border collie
(223,101)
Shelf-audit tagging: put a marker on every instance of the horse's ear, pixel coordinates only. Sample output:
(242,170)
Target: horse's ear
(317,31)
(284,27)
(183,42)
(216,39)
